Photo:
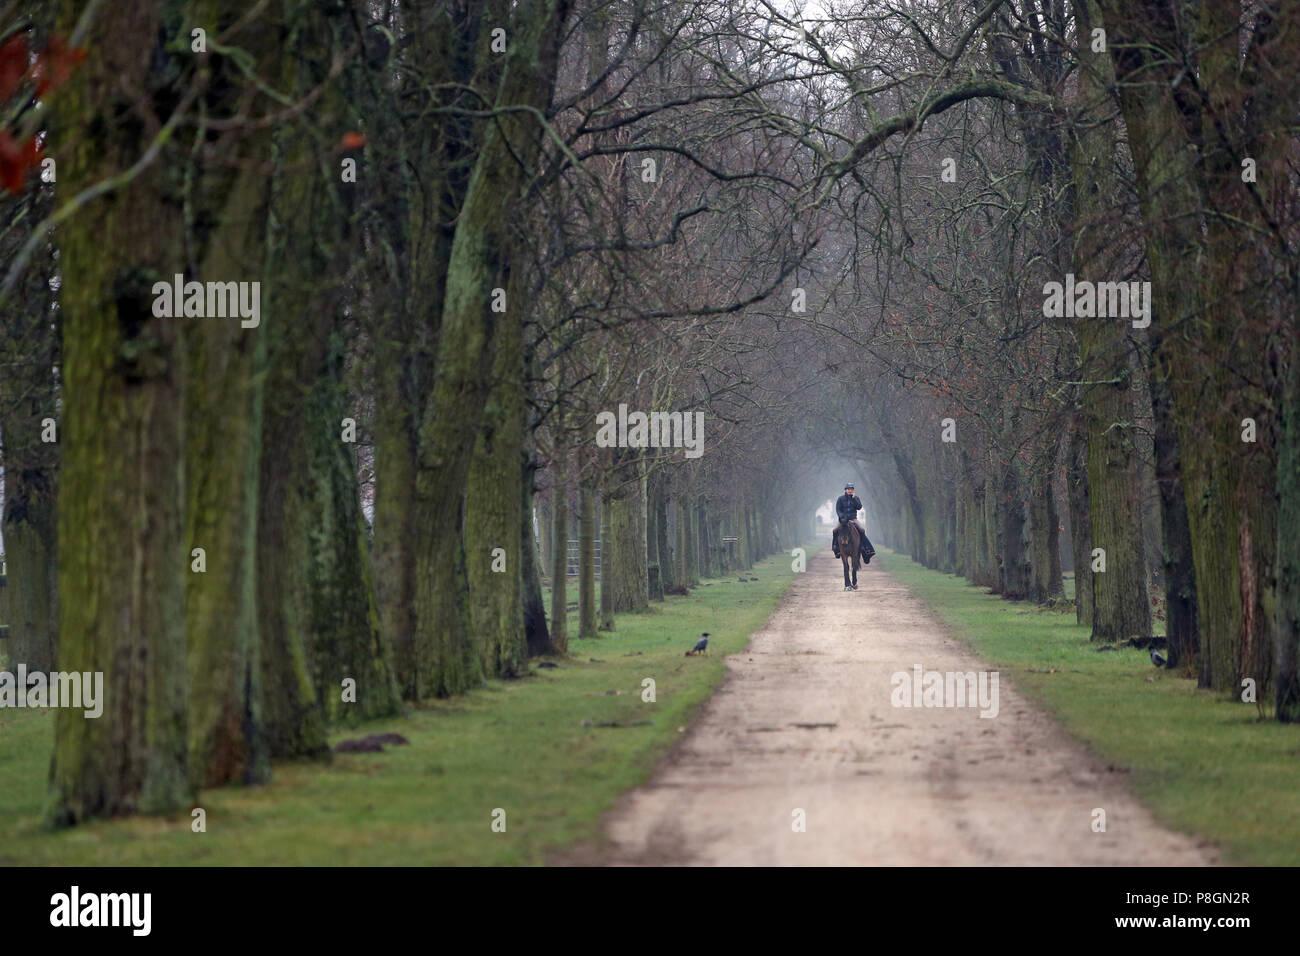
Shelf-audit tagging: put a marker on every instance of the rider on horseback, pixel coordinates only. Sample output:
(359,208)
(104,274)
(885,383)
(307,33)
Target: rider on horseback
(847,507)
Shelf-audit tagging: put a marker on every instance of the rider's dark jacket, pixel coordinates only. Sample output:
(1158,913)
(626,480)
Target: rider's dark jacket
(848,506)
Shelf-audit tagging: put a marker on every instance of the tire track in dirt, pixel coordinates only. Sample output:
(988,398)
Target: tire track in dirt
(884,785)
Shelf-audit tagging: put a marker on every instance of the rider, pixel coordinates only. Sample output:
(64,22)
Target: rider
(847,507)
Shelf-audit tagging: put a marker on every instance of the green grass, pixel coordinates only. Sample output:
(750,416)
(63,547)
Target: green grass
(1201,762)
(517,745)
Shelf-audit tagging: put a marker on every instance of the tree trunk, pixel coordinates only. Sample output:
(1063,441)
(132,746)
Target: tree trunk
(347,641)
(623,551)
(545,525)
(1076,479)
(1195,208)
(1287,641)
(708,562)
(1180,576)
(1013,561)
(681,542)
(537,637)
(587,561)
(223,429)
(559,553)
(667,560)
(467,342)
(1122,608)
(654,570)
(395,451)
(29,598)
(606,590)
(121,496)
(493,523)
(1044,558)
(692,545)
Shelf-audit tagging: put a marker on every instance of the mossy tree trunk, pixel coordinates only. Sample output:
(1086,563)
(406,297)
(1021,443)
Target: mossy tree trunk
(347,642)
(293,717)
(1249,79)
(1122,609)
(414,182)
(122,561)
(467,338)
(1204,211)
(492,514)
(315,583)
(223,441)
(224,384)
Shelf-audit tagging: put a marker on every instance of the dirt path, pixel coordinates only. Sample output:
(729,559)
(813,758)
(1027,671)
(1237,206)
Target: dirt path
(884,785)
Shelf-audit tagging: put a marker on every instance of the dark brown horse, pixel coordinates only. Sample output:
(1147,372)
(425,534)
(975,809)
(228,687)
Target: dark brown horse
(849,539)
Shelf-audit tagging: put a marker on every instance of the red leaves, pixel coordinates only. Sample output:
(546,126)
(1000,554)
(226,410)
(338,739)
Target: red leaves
(55,65)
(51,68)
(15,159)
(13,64)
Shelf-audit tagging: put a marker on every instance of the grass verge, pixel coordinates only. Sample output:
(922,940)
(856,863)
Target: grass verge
(1201,762)
(553,750)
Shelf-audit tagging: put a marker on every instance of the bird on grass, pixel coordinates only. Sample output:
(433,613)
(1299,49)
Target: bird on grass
(701,645)
(1157,659)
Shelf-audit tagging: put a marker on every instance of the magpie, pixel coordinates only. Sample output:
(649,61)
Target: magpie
(1157,659)
(701,645)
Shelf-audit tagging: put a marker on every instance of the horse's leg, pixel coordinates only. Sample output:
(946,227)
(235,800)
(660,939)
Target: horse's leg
(845,561)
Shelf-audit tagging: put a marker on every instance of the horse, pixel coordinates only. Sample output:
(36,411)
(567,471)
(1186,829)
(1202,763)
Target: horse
(849,539)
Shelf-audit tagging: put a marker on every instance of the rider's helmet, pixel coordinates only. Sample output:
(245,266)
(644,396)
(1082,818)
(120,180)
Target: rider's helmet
(848,486)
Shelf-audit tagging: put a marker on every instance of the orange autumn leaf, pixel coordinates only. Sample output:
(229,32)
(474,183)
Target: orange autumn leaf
(353,141)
